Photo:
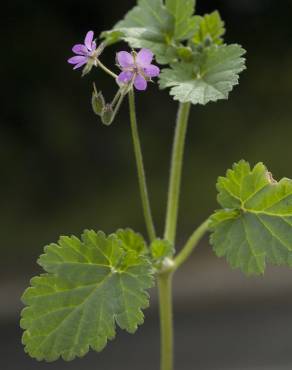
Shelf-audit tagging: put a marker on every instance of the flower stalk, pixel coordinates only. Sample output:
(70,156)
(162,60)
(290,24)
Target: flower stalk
(140,169)
(105,69)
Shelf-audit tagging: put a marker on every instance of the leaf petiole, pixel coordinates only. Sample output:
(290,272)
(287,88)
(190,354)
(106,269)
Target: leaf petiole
(191,244)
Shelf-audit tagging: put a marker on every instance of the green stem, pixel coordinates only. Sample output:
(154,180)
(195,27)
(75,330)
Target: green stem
(140,168)
(106,70)
(166,320)
(176,172)
(116,98)
(118,104)
(191,244)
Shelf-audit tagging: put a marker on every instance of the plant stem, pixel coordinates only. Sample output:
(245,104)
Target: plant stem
(140,169)
(176,172)
(191,244)
(106,70)
(118,105)
(166,320)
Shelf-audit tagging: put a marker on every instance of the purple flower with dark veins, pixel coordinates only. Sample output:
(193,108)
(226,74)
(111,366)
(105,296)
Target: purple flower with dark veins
(87,53)
(137,68)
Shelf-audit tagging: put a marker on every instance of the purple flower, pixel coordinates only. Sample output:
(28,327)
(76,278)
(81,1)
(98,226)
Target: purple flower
(85,53)
(137,68)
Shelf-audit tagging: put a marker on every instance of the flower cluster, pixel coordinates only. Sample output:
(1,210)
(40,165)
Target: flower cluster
(136,71)
(137,68)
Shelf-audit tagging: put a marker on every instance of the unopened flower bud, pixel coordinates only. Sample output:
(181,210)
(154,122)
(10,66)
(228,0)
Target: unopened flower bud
(97,102)
(107,115)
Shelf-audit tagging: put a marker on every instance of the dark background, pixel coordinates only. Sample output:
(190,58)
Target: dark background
(62,171)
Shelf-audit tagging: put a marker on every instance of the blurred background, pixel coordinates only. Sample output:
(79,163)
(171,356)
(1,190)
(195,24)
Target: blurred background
(62,171)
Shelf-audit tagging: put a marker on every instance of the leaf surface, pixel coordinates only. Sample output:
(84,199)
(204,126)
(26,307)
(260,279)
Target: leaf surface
(184,21)
(210,77)
(255,224)
(91,285)
(210,28)
(148,25)
(161,249)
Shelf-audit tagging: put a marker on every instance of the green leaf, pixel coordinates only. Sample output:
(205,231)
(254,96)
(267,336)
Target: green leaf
(138,37)
(255,224)
(210,28)
(184,22)
(161,249)
(210,77)
(132,241)
(150,14)
(147,25)
(92,285)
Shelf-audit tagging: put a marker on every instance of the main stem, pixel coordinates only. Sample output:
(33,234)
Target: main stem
(140,169)
(166,320)
(176,172)
(165,278)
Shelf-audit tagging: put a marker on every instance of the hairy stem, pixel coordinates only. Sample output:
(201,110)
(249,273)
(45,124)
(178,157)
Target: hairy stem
(166,320)
(140,169)
(191,244)
(106,70)
(176,172)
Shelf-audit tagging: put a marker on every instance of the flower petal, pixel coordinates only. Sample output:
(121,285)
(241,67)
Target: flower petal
(151,71)
(140,83)
(125,77)
(88,40)
(80,49)
(77,59)
(144,57)
(125,59)
(81,64)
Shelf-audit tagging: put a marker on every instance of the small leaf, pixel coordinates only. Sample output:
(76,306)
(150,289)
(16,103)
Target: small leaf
(255,223)
(161,249)
(92,285)
(210,77)
(210,27)
(132,241)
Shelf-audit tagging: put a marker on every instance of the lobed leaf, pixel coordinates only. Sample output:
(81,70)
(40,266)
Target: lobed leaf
(157,25)
(210,28)
(91,285)
(210,77)
(147,25)
(161,249)
(255,224)
(184,22)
